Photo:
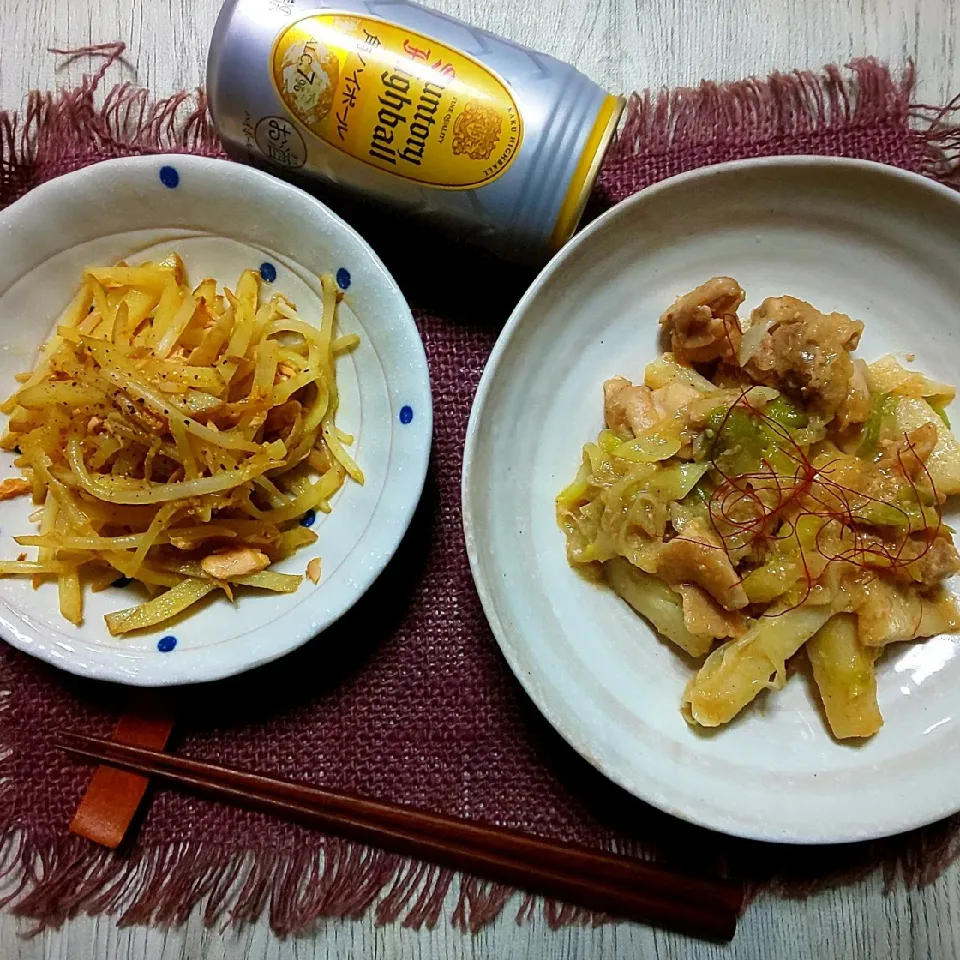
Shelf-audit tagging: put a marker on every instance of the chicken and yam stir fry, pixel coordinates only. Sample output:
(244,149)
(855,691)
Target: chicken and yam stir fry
(765,493)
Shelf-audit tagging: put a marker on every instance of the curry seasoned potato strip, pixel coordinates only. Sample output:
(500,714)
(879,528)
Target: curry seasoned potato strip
(765,494)
(176,436)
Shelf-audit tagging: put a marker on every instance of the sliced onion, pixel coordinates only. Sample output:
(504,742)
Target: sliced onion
(113,492)
(750,343)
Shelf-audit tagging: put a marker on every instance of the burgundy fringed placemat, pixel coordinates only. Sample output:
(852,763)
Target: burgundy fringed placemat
(407,698)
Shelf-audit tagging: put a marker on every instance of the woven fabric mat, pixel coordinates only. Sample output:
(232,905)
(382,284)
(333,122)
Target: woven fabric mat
(407,698)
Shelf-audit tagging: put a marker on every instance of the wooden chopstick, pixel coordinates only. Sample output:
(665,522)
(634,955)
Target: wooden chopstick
(620,886)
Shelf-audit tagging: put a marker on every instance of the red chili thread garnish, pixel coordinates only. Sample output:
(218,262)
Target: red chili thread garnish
(732,320)
(748,510)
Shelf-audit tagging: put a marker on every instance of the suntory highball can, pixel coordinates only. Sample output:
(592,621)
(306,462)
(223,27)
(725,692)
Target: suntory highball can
(414,109)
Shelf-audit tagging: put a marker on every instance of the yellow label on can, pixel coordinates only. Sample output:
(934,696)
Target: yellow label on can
(397,100)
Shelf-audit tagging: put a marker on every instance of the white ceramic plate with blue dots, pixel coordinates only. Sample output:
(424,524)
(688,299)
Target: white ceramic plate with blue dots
(221,218)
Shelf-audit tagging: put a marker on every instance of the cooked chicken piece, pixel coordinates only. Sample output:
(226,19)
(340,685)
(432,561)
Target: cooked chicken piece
(313,570)
(14,487)
(697,556)
(853,474)
(703,616)
(234,562)
(806,352)
(283,417)
(703,324)
(889,612)
(938,561)
(674,397)
(908,455)
(628,408)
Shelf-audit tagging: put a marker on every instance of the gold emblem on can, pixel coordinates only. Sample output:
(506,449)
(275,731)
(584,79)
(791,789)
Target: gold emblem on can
(476,131)
(396,100)
(309,74)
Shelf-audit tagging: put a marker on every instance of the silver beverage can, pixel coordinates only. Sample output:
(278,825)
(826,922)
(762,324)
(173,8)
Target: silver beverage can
(414,109)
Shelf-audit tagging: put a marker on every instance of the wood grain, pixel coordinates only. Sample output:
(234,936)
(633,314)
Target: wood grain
(624,44)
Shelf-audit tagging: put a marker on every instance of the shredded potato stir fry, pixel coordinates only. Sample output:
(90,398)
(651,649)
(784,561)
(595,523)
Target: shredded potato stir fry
(176,437)
(764,492)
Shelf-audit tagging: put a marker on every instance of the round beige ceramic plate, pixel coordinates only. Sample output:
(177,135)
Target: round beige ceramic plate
(870,241)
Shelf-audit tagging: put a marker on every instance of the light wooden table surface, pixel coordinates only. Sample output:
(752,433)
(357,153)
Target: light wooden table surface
(625,45)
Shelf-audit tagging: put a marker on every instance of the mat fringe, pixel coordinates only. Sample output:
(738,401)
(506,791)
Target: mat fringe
(788,106)
(784,105)
(53,879)
(72,129)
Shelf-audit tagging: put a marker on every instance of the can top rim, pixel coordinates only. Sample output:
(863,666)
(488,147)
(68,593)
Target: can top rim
(574,204)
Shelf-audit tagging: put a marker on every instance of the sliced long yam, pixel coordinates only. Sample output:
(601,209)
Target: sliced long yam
(268,356)
(163,518)
(48,524)
(655,601)
(147,573)
(160,609)
(344,343)
(70,597)
(290,541)
(60,392)
(268,580)
(15,568)
(203,379)
(139,304)
(177,325)
(319,492)
(208,350)
(76,310)
(250,531)
(121,375)
(843,669)
(734,674)
(56,542)
(167,307)
(134,492)
(337,449)
(152,277)
(67,503)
